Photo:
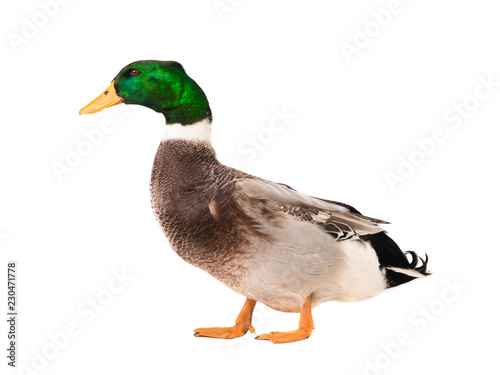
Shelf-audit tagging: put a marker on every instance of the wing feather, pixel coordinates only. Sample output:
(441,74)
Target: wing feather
(335,219)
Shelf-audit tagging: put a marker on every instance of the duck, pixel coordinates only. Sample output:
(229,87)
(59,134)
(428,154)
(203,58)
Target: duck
(264,240)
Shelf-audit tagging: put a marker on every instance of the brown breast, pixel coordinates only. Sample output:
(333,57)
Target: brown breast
(189,190)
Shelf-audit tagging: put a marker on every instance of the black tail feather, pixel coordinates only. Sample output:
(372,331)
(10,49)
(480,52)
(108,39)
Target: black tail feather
(414,258)
(423,268)
(390,255)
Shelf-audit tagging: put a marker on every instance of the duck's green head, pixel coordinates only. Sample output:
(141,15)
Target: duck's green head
(162,86)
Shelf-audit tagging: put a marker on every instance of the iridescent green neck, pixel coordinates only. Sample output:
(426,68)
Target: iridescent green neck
(189,111)
(190,104)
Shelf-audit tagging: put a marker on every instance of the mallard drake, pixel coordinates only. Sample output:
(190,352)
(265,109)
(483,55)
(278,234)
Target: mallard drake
(262,239)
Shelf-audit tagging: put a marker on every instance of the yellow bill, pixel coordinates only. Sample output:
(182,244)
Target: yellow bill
(107,99)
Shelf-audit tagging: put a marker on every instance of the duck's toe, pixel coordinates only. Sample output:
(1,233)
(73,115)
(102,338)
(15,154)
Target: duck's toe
(283,337)
(237,330)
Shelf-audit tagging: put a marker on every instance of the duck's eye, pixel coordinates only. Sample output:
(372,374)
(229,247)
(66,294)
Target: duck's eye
(134,72)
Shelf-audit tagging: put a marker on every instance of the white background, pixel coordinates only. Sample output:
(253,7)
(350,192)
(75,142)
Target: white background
(353,122)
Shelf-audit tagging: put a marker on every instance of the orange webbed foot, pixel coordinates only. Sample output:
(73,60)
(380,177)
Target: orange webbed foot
(306,327)
(283,337)
(242,325)
(237,330)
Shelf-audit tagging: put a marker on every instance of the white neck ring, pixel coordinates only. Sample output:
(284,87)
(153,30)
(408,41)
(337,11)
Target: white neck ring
(199,131)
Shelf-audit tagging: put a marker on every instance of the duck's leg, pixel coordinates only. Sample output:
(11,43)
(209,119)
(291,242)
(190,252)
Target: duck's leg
(242,325)
(306,326)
